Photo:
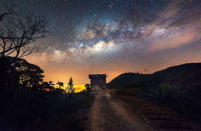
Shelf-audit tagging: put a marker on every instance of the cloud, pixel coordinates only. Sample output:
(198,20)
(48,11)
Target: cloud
(169,31)
(101,47)
(177,40)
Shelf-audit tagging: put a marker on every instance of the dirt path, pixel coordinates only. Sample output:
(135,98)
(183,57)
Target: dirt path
(110,115)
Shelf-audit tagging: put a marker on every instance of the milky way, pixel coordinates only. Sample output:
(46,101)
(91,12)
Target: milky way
(115,36)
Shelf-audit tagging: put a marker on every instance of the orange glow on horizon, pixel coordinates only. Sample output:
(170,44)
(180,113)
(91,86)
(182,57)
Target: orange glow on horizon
(81,79)
(62,72)
(77,88)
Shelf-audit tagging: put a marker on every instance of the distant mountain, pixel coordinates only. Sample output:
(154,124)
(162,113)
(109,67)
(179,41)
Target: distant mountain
(128,80)
(186,75)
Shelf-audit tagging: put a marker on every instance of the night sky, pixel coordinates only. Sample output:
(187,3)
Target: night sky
(115,36)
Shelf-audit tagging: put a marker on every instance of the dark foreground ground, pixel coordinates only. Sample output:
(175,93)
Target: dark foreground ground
(109,110)
(44,111)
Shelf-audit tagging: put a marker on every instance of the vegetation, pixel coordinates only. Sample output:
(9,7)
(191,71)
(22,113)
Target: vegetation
(60,84)
(177,87)
(17,73)
(70,88)
(28,102)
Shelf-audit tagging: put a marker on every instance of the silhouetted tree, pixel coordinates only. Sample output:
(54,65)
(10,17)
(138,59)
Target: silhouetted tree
(46,86)
(9,78)
(17,72)
(70,88)
(60,84)
(17,32)
(51,83)
(29,74)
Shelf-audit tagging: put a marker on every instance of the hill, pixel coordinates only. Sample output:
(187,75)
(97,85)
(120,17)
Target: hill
(186,75)
(128,80)
(178,87)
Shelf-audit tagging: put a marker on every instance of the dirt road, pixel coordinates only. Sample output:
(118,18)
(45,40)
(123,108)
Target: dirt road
(110,115)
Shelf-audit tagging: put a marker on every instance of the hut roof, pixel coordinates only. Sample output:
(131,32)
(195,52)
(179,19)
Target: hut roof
(97,76)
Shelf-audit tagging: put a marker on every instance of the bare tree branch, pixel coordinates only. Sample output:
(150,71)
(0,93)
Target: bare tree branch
(18,32)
